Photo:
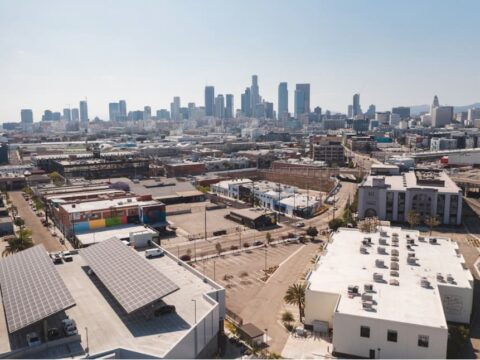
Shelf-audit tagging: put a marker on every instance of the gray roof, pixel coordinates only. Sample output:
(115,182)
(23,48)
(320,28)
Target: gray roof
(32,289)
(131,279)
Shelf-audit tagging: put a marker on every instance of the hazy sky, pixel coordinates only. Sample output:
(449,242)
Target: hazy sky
(55,53)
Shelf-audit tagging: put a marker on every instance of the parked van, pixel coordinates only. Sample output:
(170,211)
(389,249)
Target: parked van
(151,253)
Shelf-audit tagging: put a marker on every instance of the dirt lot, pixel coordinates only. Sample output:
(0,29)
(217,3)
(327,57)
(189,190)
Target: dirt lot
(194,222)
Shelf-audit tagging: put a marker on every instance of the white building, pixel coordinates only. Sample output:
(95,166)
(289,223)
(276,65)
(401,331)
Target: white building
(229,188)
(300,205)
(389,294)
(427,192)
(442,115)
(437,144)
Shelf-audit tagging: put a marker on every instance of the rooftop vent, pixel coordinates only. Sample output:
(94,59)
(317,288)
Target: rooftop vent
(379,263)
(440,278)
(368,287)
(381,250)
(425,283)
(367,305)
(394,282)
(450,278)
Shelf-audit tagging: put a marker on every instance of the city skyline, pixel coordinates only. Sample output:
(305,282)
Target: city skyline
(45,52)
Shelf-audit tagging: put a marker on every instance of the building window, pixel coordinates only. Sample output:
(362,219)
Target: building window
(423,341)
(364,331)
(392,335)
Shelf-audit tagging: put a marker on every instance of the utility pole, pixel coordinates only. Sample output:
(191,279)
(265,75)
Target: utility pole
(205,222)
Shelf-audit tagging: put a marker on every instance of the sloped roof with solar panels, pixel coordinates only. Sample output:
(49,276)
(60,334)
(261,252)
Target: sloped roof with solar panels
(131,279)
(31,287)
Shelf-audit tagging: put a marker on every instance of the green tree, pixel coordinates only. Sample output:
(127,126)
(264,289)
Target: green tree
(287,317)
(432,221)
(312,231)
(218,247)
(56,178)
(413,218)
(296,296)
(268,237)
(22,241)
(334,224)
(19,221)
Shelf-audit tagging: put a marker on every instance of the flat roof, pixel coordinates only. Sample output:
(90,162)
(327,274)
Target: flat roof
(409,180)
(106,204)
(250,213)
(120,232)
(84,193)
(32,289)
(109,327)
(344,265)
(132,281)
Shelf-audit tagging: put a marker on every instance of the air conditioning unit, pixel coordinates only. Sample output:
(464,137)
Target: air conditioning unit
(367,297)
(377,277)
(363,250)
(411,260)
(383,233)
(450,278)
(368,287)
(379,263)
(367,305)
(394,273)
(394,258)
(394,282)
(352,289)
(421,238)
(424,282)
(383,241)
(394,265)
(381,250)
(395,252)
(432,241)
(440,278)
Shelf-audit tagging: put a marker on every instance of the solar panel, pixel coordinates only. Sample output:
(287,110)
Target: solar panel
(132,281)
(32,289)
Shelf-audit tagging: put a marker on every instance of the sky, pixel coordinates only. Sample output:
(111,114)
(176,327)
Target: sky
(54,53)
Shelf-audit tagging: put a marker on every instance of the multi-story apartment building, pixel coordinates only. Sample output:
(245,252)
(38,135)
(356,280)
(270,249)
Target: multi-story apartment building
(328,149)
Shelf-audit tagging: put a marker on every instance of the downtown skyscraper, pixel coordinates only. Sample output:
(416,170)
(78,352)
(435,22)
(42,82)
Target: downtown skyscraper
(302,99)
(229,107)
(282,101)
(209,100)
(356,108)
(83,111)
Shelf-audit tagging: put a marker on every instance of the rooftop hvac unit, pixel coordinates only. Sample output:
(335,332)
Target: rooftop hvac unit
(129,200)
(368,239)
(440,278)
(395,234)
(381,250)
(395,252)
(377,277)
(450,278)
(365,242)
(363,250)
(410,241)
(407,236)
(383,241)
(421,238)
(394,282)
(411,260)
(411,254)
(368,287)
(367,305)
(352,289)
(394,265)
(424,282)
(383,233)
(379,263)
(394,258)
(367,297)
(433,241)
(395,240)
(394,273)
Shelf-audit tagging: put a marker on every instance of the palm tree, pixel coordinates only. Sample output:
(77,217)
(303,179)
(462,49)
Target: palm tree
(18,243)
(432,221)
(296,296)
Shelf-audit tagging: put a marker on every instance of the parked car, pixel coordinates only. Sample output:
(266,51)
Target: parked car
(164,310)
(126,242)
(151,253)
(56,258)
(257,243)
(67,256)
(300,224)
(69,327)
(53,333)
(33,339)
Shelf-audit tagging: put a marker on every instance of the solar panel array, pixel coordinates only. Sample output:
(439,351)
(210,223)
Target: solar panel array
(132,281)
(32,289)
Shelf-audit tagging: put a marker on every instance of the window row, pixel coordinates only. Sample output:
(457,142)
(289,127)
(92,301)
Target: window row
(392,336)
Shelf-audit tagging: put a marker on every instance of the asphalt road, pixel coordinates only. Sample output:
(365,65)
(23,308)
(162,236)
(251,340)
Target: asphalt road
(40,234)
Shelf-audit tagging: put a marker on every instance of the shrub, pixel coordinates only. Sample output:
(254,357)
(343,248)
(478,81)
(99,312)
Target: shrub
(246,245)
(234,247)
(185,257)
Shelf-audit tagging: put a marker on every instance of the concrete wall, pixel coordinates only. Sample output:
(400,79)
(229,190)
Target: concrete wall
(457,303)
(347,340)
(320,306)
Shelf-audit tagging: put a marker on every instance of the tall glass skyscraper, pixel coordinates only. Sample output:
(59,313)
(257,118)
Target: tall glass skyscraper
(229,108)
(83,111)
(302,99)
(209,100)
(282,100)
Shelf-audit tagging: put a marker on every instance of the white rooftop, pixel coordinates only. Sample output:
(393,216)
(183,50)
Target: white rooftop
(344,265)
(409,180)
(300,201)
(121,232)
(106,204)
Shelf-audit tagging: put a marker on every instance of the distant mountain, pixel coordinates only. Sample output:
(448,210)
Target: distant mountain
(417,109)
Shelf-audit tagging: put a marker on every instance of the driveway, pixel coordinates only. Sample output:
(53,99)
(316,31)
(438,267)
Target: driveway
(40,234)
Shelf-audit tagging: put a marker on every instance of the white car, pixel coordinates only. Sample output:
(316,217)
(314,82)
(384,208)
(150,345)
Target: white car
(33,339)
(67,256)
(69,327)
